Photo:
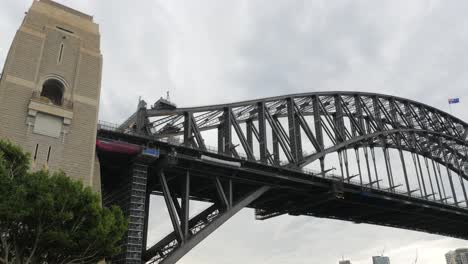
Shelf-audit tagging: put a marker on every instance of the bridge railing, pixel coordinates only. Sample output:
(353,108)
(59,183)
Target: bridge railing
(107,126)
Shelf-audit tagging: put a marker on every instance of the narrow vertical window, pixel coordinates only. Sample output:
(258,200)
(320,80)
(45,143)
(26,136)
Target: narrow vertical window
(60,53)
(35,152)
(48,155)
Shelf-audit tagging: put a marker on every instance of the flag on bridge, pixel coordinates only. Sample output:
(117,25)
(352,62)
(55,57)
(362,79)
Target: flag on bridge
(453,100)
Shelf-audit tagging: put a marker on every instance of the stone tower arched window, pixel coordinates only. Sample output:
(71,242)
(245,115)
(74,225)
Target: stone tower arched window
(53,90)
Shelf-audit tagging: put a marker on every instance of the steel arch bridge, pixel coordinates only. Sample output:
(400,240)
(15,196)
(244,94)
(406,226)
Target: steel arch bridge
(362,157)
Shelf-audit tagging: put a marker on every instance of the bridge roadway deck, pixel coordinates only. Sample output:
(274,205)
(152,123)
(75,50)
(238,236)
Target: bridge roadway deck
(293,192)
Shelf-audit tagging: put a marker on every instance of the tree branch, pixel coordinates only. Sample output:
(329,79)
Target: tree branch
(36,242)
(6,247)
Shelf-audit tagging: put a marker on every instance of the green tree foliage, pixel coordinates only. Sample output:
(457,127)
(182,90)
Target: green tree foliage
(48,218)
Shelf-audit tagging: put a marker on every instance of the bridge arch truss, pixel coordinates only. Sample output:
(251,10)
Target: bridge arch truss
(409,157)
(300,129)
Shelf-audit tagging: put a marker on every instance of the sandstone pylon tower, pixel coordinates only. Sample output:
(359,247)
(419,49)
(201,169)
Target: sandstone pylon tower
(49,90)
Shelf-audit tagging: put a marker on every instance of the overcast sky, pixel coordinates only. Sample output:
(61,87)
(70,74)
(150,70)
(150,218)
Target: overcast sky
(207,52)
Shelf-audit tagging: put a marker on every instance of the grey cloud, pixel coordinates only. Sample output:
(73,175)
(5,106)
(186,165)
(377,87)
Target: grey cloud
(208,52)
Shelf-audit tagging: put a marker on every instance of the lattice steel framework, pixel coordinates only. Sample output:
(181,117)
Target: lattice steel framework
(280,132)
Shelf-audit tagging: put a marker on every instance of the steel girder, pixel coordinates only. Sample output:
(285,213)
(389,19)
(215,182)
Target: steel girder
(189,232)
(183,173)
(276,129)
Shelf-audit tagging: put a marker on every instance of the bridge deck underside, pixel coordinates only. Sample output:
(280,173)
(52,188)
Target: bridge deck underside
(325,199)
(292,192)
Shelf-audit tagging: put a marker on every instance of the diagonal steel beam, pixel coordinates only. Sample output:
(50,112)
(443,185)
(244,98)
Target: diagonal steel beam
(191,131)
(262,138)
(370,117)
(221,193)
(318,122)
(241,136)
(227,135)
(359,114)
(282,139)
(336,135)
(165,246)
(249,125)
(276,153)
(340,128)
(295,144)
(210,227)
(306,128)
(355,124)
(188,134)
(170,206)
(257,136)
